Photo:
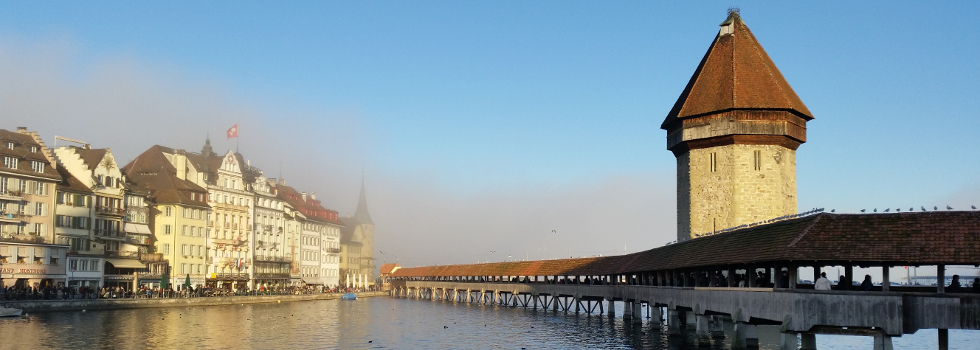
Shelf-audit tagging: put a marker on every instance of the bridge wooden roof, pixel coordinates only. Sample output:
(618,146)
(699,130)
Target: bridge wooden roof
(914,238)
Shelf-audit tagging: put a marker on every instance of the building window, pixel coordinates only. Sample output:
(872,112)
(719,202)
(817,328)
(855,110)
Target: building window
(33,149)
(37,166)
(10,162)
(758,160)
(166,248)
(166,229)
(10,145)
(714,161)
(167,211)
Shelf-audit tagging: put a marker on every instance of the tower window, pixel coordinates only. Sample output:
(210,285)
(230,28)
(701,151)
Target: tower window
(714,162)
(758,160)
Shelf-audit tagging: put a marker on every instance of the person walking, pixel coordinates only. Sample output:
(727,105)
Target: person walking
(822,283)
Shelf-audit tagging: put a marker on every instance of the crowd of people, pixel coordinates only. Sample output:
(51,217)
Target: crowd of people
(84,292)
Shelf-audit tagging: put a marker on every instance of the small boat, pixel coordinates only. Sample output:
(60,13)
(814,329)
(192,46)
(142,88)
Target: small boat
(349,296)
(10,312)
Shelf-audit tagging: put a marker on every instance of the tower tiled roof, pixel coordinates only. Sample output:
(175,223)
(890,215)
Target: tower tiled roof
(735,73)
(361,214)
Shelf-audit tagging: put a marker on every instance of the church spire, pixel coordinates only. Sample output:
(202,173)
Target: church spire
(361,215)
(207,151)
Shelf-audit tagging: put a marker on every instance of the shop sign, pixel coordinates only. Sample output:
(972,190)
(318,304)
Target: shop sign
(12,270)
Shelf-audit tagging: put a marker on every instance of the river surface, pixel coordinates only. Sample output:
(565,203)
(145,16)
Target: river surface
(377,323)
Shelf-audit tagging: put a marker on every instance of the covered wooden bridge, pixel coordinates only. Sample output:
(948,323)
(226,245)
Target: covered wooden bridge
(748,276)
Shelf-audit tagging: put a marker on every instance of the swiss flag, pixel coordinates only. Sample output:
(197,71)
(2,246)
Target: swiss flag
(233,132)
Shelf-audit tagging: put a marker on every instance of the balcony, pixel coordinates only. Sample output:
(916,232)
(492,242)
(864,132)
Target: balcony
(231,241)
(104,210)
(127,255)
(270,258)
(20,238)
(12,195)
(138,240)
(152,257)
(110,235)
(10,218)
(333,250)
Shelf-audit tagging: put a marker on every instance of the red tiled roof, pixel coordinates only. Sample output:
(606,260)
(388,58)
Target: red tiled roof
(152,170)
(735,73)
(21,151)
(931,238)
(386,269)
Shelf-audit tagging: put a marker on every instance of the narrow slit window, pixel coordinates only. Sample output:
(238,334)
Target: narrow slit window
(758,160)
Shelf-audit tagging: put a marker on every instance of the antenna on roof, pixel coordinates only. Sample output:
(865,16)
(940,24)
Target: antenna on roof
(733,9)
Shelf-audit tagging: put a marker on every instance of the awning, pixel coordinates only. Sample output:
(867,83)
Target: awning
(126,263)
(137,228)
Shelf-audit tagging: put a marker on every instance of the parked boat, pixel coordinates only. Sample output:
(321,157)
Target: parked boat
(349,296)
(10,312)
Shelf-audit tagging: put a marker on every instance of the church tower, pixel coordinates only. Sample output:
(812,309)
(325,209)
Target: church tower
(734,131)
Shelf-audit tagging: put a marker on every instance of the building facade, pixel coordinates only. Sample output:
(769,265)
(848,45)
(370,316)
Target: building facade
(734,131)
(29,255)
(178,215)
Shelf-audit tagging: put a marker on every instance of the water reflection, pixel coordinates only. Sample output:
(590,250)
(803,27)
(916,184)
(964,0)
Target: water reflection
(377,323)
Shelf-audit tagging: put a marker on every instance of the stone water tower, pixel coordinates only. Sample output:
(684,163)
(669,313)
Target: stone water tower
(734,131)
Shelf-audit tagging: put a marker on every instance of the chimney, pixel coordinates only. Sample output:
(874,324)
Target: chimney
(22,129)
(313,195)
(180,163)
(304,196)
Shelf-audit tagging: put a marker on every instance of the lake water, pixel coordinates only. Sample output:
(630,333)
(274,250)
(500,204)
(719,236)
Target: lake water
(376,323)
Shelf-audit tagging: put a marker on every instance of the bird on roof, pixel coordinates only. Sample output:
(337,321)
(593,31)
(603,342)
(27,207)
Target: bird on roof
(974,207)
(911,209)
(935,207)
(876,210)
(833,210)
(898,210)
(923,208)
(949,207)
(862,210)
(888,209)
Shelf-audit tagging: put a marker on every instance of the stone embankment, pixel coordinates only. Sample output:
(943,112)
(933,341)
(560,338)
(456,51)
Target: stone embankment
(112,304)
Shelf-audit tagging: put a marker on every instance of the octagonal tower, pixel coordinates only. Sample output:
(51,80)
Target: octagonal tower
(734,131)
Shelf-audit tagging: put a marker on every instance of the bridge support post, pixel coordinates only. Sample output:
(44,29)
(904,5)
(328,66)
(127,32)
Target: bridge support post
(673,322)
(745,336)
(882,342)
(943,339)
(808,341)
(535,297)
(787,341)
(611,308)
(637,312)
(718,327)
(577,300)
(656,316)
(702,331)
(627,310)
(690,319)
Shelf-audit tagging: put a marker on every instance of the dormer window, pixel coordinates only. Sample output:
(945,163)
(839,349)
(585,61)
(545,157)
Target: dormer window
(10,145)
(37,166)
(10,162)
(33,149)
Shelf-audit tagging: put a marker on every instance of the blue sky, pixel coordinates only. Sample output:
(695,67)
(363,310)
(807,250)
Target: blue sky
(503,120)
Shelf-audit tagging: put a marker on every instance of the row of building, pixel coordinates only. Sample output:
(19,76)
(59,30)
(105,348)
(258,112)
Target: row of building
(72,215)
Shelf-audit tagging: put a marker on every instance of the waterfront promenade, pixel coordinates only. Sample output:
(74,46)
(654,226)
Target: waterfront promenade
(142,303)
